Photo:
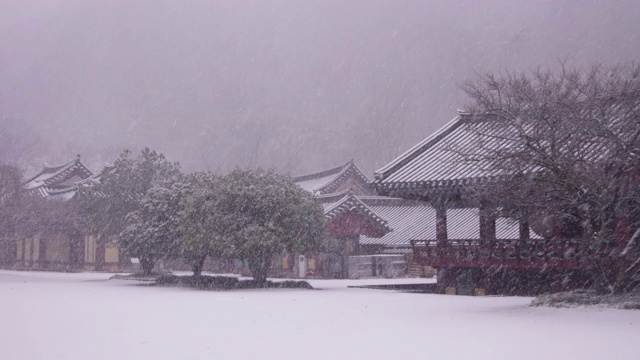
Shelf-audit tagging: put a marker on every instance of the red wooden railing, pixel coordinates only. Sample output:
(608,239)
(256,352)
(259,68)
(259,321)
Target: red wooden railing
(540,254)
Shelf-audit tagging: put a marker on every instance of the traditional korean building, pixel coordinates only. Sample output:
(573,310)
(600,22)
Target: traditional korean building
(435,171)
(360,222)
(61,248)
(336,180)
(475,244)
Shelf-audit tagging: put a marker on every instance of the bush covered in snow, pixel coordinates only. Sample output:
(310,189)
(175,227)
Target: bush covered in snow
(227,283)
(582,297)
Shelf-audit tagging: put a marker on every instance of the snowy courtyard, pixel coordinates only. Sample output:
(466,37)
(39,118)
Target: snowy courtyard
(87,316)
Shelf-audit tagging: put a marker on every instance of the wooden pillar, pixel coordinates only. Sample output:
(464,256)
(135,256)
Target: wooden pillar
(76,250)
(42,256)
(22,251)
(524,228)
(28,251)
(100,244)
(441,222)
(487,223)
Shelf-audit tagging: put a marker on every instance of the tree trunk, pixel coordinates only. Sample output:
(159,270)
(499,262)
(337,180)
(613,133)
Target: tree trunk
(621,263)
(76,250)
(100,252)
(197,265)
(618,285)
(259,267)
(147,265)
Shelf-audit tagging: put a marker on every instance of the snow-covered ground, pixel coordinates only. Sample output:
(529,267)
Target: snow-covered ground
(86,316)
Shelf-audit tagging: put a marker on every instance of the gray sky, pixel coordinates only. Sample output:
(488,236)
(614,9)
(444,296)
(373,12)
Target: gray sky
(297,85)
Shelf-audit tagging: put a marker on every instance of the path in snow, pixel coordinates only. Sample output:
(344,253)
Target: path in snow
(86,316)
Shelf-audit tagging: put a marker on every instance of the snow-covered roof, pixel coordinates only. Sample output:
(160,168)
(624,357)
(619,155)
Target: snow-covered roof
(440,159)
(328,181)
(416,220)
(337,204)
(469,150)
(408,219)
(464,224)
(61,181)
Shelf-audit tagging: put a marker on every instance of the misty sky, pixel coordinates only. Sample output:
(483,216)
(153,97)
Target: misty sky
(296,85)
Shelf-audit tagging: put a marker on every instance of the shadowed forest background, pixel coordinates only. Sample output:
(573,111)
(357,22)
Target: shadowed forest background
(294,85)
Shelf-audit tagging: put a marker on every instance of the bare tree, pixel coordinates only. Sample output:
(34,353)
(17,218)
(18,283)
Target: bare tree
(566,147)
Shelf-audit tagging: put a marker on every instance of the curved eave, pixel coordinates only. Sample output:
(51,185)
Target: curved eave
(418,149)
(351,204)
(337,180)
(438,185)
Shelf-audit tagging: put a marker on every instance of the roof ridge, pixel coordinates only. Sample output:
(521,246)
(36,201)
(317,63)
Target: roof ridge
(330,195)
(377,200)
(68,166)
(417,149)
(350,165)
(382,222)
(321,174)
(45,166)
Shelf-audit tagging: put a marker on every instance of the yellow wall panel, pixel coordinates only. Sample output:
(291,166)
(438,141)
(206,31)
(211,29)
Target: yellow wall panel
(89,249)
(311,264)
(111,253)
(27,249)
(58,249)
(19,248)
(35,246)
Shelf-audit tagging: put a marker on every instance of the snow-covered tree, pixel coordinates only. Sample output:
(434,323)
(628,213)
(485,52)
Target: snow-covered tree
(205,224)
(153,231)
(271,214)
(10,201)
(570,155)
(107,203)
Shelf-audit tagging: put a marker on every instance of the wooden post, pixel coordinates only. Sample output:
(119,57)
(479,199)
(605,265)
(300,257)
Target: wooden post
(487,223)
(100,252)
(42,256)
(76,250)
(441,222)
(524,228)
(22,250)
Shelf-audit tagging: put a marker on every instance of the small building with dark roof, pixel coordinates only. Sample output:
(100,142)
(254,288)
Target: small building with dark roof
(62,181)
(57,249)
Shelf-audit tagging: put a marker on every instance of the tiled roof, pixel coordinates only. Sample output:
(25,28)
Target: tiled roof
(408,219)
(61,182)
(465,224)
(337,204)
(415,220)
(440,159)
(326,182)
(471,149)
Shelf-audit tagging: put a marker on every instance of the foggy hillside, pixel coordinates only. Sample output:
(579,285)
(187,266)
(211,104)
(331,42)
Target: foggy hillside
(296,85)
